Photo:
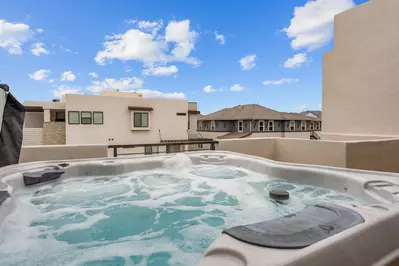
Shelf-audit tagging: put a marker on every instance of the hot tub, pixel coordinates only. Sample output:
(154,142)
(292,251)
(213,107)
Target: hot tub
(205,208)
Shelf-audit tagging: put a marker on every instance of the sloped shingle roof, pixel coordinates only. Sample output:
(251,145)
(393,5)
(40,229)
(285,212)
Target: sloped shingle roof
(251,112)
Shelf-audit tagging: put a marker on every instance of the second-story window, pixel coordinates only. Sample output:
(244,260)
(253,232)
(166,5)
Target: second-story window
(240,126)
(270,125)
(261,125)
(212,125)
(85,118)
(140,119)
(303,125)
(292,125)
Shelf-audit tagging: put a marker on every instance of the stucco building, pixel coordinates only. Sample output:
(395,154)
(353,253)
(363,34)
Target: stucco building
(253,120)
(112,118)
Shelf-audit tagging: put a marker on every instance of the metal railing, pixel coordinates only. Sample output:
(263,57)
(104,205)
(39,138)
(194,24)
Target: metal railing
(170,147)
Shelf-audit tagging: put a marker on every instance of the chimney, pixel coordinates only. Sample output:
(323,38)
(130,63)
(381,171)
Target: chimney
(56,101)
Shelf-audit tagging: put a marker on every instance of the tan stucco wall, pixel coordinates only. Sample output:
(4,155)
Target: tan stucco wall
(117,120)
(262,147)
(62,152)
(360,76)
(311,152)
(381,155)
(352,137)
(53,133)
(295,135)
(46,105)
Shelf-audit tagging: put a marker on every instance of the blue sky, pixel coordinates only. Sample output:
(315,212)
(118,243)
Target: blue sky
(217,53)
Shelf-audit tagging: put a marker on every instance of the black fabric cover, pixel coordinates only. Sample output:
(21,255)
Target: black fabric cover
(11,131)
(3,196)
(298,230)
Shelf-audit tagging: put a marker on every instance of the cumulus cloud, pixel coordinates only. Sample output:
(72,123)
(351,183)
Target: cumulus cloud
(237,87)
(220,38)
(297,60)
(67,50)
(94,75)
(151,26)
(61,90)
(68,76)
(38,49)
(312,24)
(151,49)
(40,75)
(280,81)
(248,62)
(13,36)
(158,94)
(161,71)
(122,84)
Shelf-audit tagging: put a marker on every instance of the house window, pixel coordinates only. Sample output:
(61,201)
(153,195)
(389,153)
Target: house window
(73,117)
(303,125)
(240,126)
(60,116)
(292,125)
(200,146)
(312,125)
(85,118)
(261,125)
(212,125)
(188,126)
(98,118)
(140,119)
(270,125)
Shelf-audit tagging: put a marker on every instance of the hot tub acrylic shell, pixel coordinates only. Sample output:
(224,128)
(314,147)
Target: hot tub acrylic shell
(373,242)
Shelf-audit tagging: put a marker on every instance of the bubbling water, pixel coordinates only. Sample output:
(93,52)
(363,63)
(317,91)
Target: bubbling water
(165,216)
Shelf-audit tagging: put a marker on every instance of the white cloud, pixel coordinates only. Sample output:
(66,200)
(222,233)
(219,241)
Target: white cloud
(220,38)
(237,87)
(130,21)
(39,48)
(248,62)
(158,94)
(67,50)
(209,89)
(122,84)
(40,75)
(280,81)
(302,107)
(151,49)
(160,71)
(61,90)
(151,26)
(94,75)
(297,60)
(39,30)
(68,76)
(312,24)
(13,35)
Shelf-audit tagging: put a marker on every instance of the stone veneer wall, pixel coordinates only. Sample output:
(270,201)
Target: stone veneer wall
(53,133)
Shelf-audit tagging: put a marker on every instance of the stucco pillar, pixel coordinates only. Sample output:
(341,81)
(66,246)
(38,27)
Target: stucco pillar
(46,115)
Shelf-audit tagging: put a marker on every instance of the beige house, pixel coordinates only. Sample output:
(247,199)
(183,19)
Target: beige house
(112,118)
(254,121)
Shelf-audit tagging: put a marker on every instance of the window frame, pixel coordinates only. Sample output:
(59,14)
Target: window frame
(132,120)
(261,125)
(292,128)
(57,119)
(303,125)
(270,124)
(69,118)
(102,118)
(81,117)
(242,126)
(213,125)
(311,125)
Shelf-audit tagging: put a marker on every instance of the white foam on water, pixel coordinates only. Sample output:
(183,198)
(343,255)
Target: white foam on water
(178,209)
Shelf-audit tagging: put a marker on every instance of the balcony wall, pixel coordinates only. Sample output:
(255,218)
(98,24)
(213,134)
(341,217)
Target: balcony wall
(376,155)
